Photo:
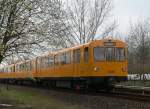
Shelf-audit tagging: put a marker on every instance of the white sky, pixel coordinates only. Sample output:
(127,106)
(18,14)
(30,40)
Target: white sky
(125,11)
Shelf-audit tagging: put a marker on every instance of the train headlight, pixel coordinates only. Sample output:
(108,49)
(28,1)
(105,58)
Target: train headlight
(124,69)
(96,69)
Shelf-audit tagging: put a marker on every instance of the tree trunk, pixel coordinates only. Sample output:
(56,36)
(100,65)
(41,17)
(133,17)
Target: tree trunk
(1,58)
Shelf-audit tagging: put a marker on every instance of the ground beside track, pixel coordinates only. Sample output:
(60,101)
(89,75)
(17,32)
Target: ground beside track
(141,83)
(33,98)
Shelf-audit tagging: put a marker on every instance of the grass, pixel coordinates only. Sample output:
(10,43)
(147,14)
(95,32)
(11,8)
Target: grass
(30,97)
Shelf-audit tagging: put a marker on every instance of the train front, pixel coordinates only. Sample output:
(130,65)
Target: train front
(110,61)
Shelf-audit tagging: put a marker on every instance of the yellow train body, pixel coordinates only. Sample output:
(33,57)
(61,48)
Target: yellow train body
(98,58)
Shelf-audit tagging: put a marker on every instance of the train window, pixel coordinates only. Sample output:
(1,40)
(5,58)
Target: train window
(77,56)
(8,69)
(38,63)
(56,60)
(50,61)
(86,54)
(18,68)
(120,54)
(31,65)
(63,58)
(11,69)
(28,66)
(68,58)
(43,61)
(99,53)
(24,67)
(21,67)
(110,55)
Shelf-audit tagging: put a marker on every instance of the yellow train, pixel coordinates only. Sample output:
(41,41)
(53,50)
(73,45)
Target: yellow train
(97,64)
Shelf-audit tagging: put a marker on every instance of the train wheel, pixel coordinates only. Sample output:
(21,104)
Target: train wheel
(78,88)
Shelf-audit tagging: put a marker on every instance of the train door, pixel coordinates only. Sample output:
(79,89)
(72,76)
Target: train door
(86,61)
(56,65)
(38,66)
(77,61)
(110,61)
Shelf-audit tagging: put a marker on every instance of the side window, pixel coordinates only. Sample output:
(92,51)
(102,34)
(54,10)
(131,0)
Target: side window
(110,55)
(120,54)
(43,62)
(56,60)
(28,64)
(86,55)
(99,54)
(22,66)
(63,58)
(50,61)
(19,67)
(68,58)
(77,56)
(8,69)
(13,69)
(38,63)
(25,66)
(31,65)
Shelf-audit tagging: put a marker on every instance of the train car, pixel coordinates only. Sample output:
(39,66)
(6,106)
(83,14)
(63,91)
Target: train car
(7,73)
(96,64)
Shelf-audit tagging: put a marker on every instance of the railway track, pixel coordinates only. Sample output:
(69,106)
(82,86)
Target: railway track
(140,95)
(121,93)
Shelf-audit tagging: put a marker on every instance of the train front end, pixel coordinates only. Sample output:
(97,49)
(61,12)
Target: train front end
(109,61)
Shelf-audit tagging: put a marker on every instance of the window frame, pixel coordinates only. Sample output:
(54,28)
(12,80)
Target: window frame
(68,57)
(113,53)
(104,59)
(50,63)
(86,57)
(56,59)
(123,53)
(75,60)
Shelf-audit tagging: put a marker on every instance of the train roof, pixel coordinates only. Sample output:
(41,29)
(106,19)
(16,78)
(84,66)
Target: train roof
(94,41)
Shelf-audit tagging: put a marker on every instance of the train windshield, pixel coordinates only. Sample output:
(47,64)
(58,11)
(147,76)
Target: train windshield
(109,54)
(99,53)
(120,54)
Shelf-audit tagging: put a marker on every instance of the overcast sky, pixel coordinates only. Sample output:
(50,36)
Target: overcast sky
(130,10)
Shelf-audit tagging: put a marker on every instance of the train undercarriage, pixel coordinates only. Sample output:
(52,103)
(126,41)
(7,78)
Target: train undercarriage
(79,83)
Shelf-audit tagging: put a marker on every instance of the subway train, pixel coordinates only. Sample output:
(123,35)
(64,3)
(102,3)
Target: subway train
(97,64)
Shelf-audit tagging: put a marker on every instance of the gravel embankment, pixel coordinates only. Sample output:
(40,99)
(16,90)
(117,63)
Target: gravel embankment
(52,99)
(98,102)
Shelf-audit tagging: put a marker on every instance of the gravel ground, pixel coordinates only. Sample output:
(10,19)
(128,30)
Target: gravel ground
(80,101)
(96,102)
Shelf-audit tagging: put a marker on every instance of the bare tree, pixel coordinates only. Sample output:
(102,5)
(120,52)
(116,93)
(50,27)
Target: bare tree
(28,27)
(55,26)
(139,39)
(23,26)
(85,17)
